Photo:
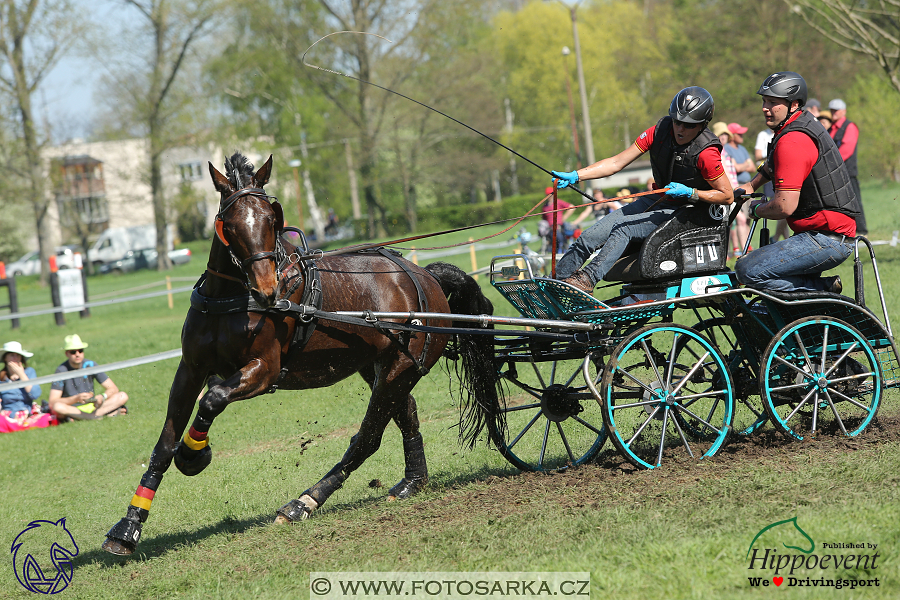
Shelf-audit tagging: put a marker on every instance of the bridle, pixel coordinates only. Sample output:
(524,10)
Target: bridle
(283,261)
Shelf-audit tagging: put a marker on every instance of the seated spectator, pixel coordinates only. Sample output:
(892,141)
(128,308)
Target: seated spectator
(15,368)
(602,206)
(75,398)
(18,407)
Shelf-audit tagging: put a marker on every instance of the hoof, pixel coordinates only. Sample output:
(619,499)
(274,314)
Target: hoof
(296,510)
(122,539)
(117,547)
(191,462)
(407,488)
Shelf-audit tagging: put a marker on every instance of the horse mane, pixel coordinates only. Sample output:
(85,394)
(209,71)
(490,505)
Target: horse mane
(239,170)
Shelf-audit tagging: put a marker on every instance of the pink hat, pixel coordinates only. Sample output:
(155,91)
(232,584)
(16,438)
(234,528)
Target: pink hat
(736,128)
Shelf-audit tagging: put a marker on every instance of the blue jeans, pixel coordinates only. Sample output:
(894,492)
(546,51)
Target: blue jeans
(794,264)
(613,232)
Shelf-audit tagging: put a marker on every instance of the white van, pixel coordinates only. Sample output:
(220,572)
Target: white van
(115,243)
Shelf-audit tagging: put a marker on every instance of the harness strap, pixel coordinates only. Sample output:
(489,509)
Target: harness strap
(403,343)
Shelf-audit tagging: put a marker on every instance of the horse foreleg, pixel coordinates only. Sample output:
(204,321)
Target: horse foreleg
(193,453)
(122,539)
(416,475)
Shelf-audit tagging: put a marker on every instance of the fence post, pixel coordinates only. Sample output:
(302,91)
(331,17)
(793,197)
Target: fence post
(413,256)
(10,285)
(169,287)
(54,292)
(79,264)
(472,256)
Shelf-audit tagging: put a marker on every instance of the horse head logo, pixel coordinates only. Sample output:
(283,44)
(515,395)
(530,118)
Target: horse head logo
(787,532)
(42,556)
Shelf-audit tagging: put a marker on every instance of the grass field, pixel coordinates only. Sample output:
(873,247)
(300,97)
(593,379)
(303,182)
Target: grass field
(682,531)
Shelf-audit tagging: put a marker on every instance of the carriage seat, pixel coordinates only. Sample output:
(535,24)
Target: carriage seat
(693,242)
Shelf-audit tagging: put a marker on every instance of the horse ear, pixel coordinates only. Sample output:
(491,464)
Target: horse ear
(220,182)
(261,178)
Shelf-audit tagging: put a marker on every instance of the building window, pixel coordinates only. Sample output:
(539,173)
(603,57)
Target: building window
(191,171)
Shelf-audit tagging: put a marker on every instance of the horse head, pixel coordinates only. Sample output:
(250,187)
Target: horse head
(248,225)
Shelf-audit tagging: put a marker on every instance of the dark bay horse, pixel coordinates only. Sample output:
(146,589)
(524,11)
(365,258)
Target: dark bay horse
(234,341)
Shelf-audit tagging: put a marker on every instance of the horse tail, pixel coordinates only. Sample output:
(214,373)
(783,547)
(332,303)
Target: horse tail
(482,396)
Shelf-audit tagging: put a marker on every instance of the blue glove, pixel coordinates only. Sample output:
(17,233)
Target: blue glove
(679,190)
(565,179)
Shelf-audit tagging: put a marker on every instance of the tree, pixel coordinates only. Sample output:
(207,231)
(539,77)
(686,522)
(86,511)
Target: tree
(34,34)
(143,84)
(868,28)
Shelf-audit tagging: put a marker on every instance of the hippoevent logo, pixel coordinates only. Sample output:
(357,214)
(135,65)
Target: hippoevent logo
(830,564)
(42,556)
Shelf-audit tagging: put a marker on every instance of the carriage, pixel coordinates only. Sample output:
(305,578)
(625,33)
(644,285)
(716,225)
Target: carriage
(683,357)
(680,359)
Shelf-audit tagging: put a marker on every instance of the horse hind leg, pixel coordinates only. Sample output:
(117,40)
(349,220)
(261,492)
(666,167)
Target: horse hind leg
(415,477)
(390,395)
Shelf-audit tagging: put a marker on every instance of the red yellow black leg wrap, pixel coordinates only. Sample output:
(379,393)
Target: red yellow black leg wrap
(142,498)
(196,440)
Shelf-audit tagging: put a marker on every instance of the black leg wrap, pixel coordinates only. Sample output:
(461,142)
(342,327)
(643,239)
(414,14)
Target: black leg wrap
(416,475)
(295,510)
(326,487)
(122,539)
(191,462)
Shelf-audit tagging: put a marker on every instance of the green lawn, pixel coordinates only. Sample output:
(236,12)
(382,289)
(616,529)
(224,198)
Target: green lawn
(678,532)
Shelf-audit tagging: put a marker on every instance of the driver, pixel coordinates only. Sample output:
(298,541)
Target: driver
(686,159)
(813,192)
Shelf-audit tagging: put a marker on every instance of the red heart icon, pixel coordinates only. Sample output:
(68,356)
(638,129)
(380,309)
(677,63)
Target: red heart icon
(778,580)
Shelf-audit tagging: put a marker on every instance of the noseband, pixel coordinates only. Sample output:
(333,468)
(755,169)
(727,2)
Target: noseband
(279,255)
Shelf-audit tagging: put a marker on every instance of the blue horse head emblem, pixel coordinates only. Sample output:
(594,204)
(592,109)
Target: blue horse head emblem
(42,556)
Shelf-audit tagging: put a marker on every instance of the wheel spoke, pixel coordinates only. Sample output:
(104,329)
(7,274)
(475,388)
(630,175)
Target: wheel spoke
(588,425)
(815,411)
(793,366)
(525,430)
(803,350)
(707,394)
(631,377)
(522,407)
(662,437)
(652,363)
(683,439)
(850,400)
(824,349)
(634,404)
(690,374)
(565,442)
(641,428)
(802,402)
(683,409)
(749,406)
(538,373)
(840,359)
(836,415)
(670,368)
(544,443)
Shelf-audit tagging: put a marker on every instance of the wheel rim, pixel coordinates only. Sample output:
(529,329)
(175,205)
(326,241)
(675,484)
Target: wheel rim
(667,392)
(820,374)
(552,419)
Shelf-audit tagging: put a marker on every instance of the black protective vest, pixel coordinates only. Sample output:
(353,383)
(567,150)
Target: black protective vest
(671,162)
(850,162)
(827,187)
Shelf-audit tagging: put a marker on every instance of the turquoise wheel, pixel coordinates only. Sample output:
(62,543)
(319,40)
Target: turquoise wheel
(819,374)
(666,393)
(552,419)
(742,361)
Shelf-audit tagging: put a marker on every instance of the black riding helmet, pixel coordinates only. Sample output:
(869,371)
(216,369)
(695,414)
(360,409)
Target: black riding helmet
(786,85)
(692,105)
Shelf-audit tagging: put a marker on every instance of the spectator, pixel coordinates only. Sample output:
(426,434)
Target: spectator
(602,206)
(19,409)
(761,150)
(564,232)
(825,119)
(814,107)
(15,368)
(846,135)
(331,226)
(75,398)
(740,229)
(743,164)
